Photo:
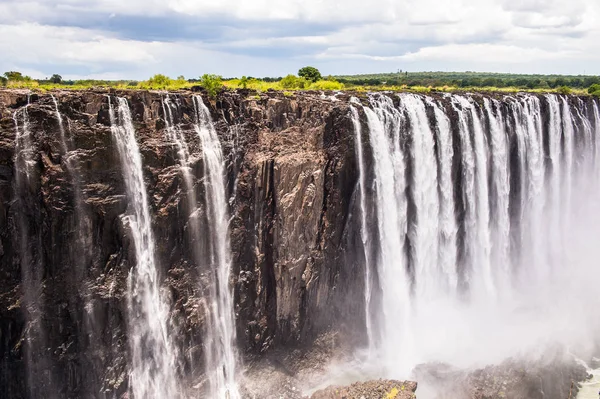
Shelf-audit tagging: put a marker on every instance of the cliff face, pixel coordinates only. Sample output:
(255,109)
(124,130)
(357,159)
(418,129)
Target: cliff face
(290,172)
(441,175)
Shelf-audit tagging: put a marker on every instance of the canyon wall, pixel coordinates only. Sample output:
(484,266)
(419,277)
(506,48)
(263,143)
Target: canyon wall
(313,242)
(290,174)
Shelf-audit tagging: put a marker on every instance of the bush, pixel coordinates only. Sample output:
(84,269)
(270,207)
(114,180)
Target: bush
(158,82)
(14,76)
(310,73)
(3,81)
(594,88)
(293,82)
(212,84)
(326,85)
(244,82)
(564,90)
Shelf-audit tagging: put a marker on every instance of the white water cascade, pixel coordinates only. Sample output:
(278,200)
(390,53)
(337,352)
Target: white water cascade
(220,352)
(153,357)
(39,375)
(364,234)
(484,212)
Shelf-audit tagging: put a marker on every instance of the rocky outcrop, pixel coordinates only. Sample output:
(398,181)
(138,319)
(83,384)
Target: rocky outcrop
(555,376)
(291,175)
(388,389)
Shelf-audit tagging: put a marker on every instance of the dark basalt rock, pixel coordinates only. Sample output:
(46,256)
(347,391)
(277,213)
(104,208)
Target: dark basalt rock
(291,174)
(290,177)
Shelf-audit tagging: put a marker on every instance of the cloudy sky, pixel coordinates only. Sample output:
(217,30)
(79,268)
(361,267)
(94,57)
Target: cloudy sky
(135,39)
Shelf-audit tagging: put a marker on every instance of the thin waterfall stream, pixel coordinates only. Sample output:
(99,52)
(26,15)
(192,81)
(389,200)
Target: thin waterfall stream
(221,353)
(153,357)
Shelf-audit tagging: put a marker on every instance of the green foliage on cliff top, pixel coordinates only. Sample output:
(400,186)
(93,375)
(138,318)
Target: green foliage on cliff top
(212,83)
(420,82)
(310,73)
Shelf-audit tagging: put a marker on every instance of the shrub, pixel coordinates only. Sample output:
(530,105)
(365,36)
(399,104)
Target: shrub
(3,81)
(594,88)
(326,85)
(310,73)
(244,82)
(293,82)
(564,90)
(158,82)
(212,84)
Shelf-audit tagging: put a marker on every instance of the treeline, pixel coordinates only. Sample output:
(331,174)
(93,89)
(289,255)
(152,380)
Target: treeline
(310,78)
(469,79)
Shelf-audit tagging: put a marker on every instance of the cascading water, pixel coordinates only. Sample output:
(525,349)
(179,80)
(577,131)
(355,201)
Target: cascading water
(40,379)
(175,135)
(384,123)
(364,235)
(153,357)
(423,232)
(221,356)
(448,228)
(483,269)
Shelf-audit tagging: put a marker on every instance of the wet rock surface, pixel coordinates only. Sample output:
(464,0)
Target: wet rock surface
(290,174)
(298,282)
(519,379)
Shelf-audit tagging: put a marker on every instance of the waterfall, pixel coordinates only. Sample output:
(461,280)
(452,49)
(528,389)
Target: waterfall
(175,135)
(477,203)
(221,356)
(423,232)
(364,235)
(153,357)
(477,273)
(384,122)
(40,378)
(448,228)
(500,191)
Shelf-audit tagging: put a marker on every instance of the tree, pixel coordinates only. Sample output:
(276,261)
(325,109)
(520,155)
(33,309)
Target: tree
(3,81)
(180,77)
(212,84)
(56,78)
(14,76)
(594,88)
(310,73)
(244,82)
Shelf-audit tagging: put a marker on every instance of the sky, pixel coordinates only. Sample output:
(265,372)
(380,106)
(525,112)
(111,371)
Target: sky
(135,39)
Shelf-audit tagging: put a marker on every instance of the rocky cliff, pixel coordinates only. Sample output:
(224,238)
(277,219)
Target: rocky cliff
(299,253)
(290,172)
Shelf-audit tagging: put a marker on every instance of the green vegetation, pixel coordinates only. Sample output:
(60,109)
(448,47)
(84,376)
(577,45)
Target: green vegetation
(564,90)
(212,83)
(310,78)
(310,73)
(56,79)
(470,80)
(294,82)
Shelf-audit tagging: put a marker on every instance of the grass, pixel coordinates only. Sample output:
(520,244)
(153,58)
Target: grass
(263,86)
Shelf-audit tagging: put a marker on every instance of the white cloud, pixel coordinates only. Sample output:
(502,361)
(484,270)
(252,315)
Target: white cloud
(420,34)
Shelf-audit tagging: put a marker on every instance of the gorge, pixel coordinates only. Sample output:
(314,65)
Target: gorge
(176,245)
